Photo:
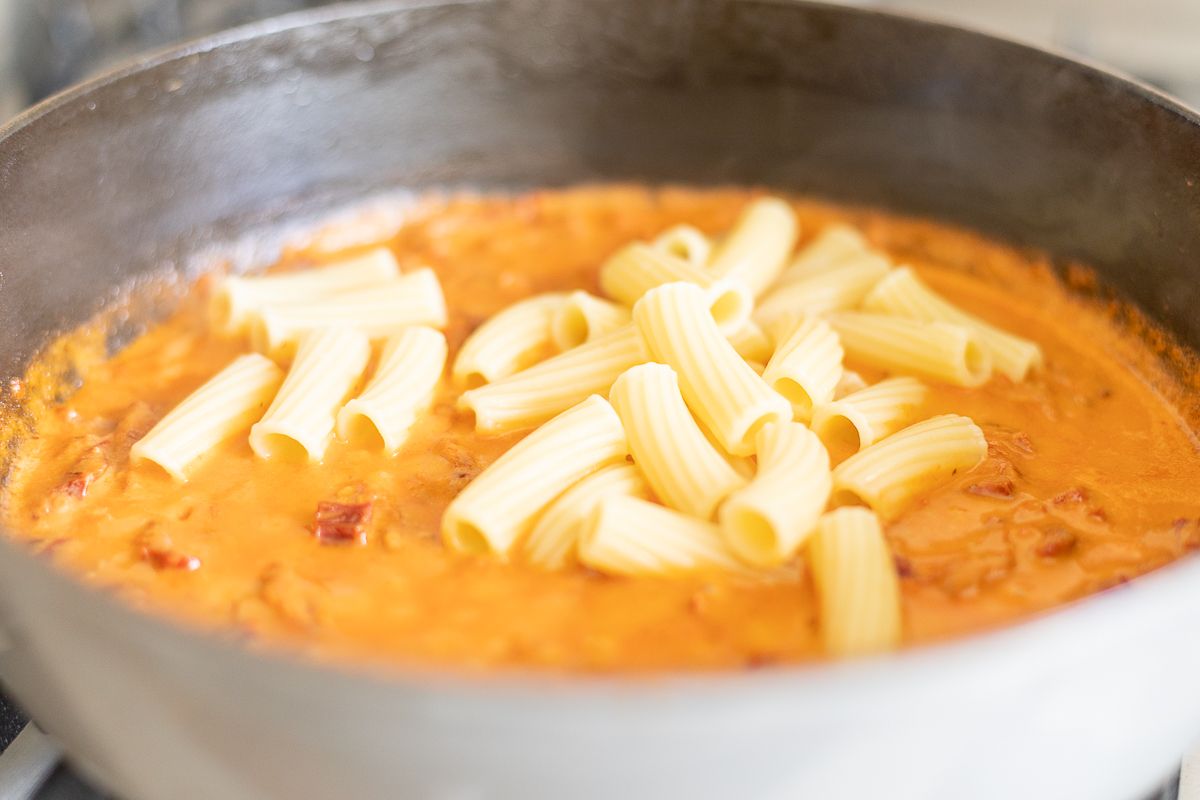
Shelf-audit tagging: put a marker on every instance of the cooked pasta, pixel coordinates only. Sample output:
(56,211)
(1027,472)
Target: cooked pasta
(889,473)
(237,299)
(727,396)
(902,293)
(767,521)
(379,311)
(850,383)
(554,540)
(508,342)
(756,249)
(937,350)
(840,288)
(752,343)
(300,421)
(504,500)
(832,246)
(226,405)
(685,471)
(402,387)
(636,269)
(628,536)
(862,418)
(806,365)
(684,241)
(582,317)
(858,593)
(534,395)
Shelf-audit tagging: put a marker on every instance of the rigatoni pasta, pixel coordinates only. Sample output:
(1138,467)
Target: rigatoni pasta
(889,473)
(806,365)
(840,288)
(937,350)
(582,317)
(226,405)
(508,342)
(756,248)
(752,343)
(861,418)
(684,470)
(858,593)
(299,424)
(409,370)
(685,242)
(504,500)
(728,397)
(831,247)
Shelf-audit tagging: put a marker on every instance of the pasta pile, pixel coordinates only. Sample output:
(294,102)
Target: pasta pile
(324,321)
(699,416)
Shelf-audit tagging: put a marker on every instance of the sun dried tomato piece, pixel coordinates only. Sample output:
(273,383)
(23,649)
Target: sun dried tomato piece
(342,523)
(1056,542)
(1001,489)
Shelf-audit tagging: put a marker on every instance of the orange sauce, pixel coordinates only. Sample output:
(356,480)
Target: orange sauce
(1091,479)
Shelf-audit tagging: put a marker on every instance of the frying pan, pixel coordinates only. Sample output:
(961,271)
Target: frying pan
(242,134)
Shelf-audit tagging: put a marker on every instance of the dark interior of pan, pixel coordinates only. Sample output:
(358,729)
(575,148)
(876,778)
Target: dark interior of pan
(202,146)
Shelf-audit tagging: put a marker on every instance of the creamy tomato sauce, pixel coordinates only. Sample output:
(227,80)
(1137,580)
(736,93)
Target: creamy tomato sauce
(1091,478)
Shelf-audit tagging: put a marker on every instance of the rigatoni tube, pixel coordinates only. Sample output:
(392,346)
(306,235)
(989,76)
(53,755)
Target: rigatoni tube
(507,342)
(582,317)
(889,473)
(720,388)
(768,520)
(504,500)
(833,246)
(864,417)
(902,293)
(806,365)
(937,350)
(837,289)
(858,594)
(299,423)
(684,470)
(409,369)
(757,247)
(685,242)
(226,405)
(534,395)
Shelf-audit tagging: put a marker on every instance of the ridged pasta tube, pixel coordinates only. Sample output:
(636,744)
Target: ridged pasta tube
(889,473)
(903,294)
(685,242)
(507,342)
(554,540)
(832,246)
(756,248)
(864,417)
(504,500)
(937,350)
(768,520)
(582,317)
(720,388)
(806,365)
(534,395)
(685,471)
(226,405)
(628,536)
(637,268)
(379,311)
(238,299)
(837,289)
(858,593)
(299,423)
(752,343)
(409,370)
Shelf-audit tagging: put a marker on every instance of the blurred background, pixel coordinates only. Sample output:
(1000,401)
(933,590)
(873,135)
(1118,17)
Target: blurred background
(48,44)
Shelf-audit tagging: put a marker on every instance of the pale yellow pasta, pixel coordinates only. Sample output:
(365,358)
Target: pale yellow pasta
(902,293)
(862,418)
(637,268)
(858,593)
(226,405)
(752,342)
(632,537)
(582,317)
(534,395)
(504,500)
(379,311)
(507,342)
(554,540)
(889,473)
(806,365)
(757,247)
(832,247)
(409,370)
(766,522)
(684,241)
(237,300)
(685,471)
(850,383)
(720,388)
(299,424)
(937,350)
(837,289)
